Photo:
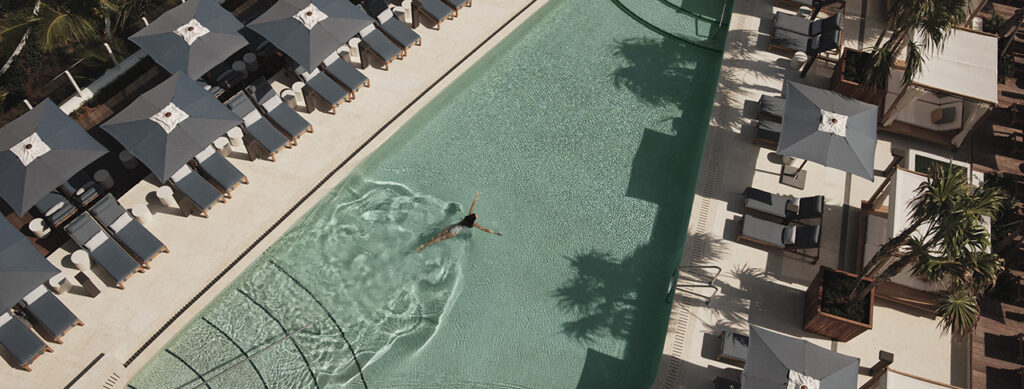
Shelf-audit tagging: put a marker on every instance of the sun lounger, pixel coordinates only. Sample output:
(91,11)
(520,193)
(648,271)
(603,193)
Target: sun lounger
(797,24)
(435,10)
(783,207)
(260,133)
(792,42)
(768,133)
(108,254)
(790,238)
(220,170)
(199,192)
(139,241)
(21,343)
(399,33)
(379,45)
(55,208)
(286,119)
(772,108)
(733,349)
(345,74)
(51,314)
(322,84)
(458,4)
(81,189)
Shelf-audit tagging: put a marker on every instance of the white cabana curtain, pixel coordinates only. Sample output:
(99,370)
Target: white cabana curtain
(973,112)
(911,93)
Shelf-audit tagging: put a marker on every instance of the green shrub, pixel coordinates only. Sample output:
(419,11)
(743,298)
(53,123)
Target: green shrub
(835,288)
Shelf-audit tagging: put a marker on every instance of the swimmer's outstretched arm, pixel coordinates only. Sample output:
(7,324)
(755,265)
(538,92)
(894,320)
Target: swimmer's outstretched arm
(486,230)
(474,202)
(446,234)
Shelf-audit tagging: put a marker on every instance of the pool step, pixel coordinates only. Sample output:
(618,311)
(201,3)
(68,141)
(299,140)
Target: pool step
(702,23)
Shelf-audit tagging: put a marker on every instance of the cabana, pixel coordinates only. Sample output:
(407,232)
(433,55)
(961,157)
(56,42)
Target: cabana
(955,89)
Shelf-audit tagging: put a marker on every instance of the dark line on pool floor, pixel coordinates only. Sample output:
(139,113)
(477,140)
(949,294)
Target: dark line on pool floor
(239,347)
(285,331)
(201,379)
(316,187)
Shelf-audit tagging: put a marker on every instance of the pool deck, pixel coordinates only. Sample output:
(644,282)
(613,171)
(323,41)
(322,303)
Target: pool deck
(763,286)
(118,322)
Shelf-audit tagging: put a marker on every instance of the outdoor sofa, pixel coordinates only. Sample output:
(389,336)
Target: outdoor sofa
(785,208)
(781,236)
(23,345)
(113,259)
(261,135)
(138,240)
(379,45)
(52,315)
(201,195)
(219,170)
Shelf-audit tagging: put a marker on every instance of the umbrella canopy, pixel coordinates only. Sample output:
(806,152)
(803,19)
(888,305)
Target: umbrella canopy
(309,30)
(829,128)
(779,361)
(22,267)
(170,124)
(40,150)
(191,38)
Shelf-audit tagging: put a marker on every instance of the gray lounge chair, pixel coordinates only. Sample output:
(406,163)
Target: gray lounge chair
(286,119)
(220,170)
(772,108)
(733,348)
(108,254)
(783,207)
(458,4)
(768,133)
(790,238)
(139,241)
(379,45)
(260,133)
(81,189)
(788,41)
(21,343)
(395,29)
(435,10)
(51,314)
(804,26)
(199,192)
(345,74)
(55,208)
(322,84)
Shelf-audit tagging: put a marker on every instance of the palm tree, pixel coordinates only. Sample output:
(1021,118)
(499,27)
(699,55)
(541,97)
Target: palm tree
(935,19)
(952,249)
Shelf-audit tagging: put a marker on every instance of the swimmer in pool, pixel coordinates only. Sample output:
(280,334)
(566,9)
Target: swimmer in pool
(451,231)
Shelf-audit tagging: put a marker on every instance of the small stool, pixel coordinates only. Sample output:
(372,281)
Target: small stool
(300,97)
(128,160)
(166,196)
(141,213)
(353,55)
(59,284)
(80,258)
(221,144)
(103,177)
(87,284)
(239,66)
(798,60)
(38,228)
(288,96)
(235,137)
(250,62)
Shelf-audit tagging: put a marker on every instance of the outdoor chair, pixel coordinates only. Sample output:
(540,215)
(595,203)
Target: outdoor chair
(772,108)
(379,45)
(768,133)
(791,42)
(81,189)
(219,170)
(435,10)
(785,208)
(324,87)
(733,348)
(345,74)
(804,26)
(51,314)
(139,241)
(55,208)
(280,114)
(108,254)
(23,345)
(399,33)
(201,195)
(789,238)
(261,135)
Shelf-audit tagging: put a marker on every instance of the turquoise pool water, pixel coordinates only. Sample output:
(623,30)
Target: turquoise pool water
(583,132)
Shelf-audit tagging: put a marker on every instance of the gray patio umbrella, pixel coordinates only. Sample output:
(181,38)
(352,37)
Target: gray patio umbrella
(309,30)
(779,361)
(40,150)
(829,128)
(22,267)
(170,124)
(192,37)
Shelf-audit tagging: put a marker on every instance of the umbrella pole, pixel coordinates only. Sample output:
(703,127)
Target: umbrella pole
(799,169)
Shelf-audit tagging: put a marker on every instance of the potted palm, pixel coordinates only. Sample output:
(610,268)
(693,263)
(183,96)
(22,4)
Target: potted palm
(947,242)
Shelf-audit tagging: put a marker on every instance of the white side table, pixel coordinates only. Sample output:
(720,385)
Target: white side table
(353,55)
(798,60)
(166,196)
(38,228)
(300,97)
(221,144)
(239,66)
(250,62)
(128,160)
(235,137)
(103,177)
(288,96)
(59,284)
(80,258)
(141,213)
(407,7)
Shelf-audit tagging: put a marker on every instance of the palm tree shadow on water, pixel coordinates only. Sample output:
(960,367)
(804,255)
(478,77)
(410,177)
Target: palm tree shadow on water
(624,298)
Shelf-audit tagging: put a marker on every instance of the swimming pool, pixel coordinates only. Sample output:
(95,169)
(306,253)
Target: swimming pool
(583,132)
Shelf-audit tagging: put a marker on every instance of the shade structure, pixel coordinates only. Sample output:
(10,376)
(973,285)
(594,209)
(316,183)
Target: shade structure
(40,150)
(191,38)
(22,267)
(773,358)
(170,124)
(309,30)
(829,128)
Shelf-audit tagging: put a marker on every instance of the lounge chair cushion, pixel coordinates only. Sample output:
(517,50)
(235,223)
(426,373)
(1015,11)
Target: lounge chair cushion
(811,207)
(367,30)
(221,171)
(346,74)
(795,41)
(456,3)
(768,203)
(181,173)
(34,295)
(807,237)
(52,314)
(266,135)
(797,24)
(251,117)
(324,86)
(133,236)
(111,257)
(381,45)
(788,236)
(206,153)
(772,105)
(198,190)
(769,131)
(734,346)
(96,241)
(19,340)
(121,222)
(54,209)
(763,231)
(434,8)
(399,32)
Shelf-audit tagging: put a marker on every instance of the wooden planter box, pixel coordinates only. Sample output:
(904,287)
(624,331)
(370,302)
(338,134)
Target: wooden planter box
(829,325)
(853,89)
